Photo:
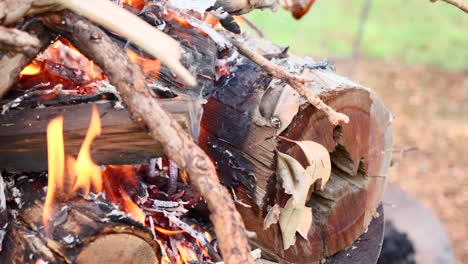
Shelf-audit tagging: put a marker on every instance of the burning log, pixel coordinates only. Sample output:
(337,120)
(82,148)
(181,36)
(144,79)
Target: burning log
(84,231)
(23,134)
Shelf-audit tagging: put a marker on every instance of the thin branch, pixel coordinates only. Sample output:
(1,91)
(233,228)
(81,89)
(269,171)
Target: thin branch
(296,82)
(458,3)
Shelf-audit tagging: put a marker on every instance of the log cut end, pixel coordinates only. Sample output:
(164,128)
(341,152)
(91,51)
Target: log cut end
(237,132)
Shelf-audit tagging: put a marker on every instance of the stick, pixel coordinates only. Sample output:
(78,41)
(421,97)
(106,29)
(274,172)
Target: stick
(458,3)
(129,80)
(296,82)
(31,93)
(18,41)
(11,64)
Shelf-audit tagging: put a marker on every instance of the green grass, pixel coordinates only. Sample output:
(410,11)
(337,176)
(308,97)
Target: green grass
(411,31)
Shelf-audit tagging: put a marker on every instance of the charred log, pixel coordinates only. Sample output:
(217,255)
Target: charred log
(84,231)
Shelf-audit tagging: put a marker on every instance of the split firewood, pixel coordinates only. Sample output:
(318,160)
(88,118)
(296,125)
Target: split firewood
(23,133)
(178,145)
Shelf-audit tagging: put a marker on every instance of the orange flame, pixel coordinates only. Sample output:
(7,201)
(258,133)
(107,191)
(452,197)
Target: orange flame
(150,67)
(135,211)
(56,154)
(186,253)
(84,170)
(139,4)
(168,232)
(88,174)
(81,174)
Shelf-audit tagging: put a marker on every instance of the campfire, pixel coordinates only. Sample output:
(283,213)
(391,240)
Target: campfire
(172,138)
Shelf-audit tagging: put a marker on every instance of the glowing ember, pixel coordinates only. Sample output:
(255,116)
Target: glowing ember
(59,63)
(31,69)
(139,4)
(168,232)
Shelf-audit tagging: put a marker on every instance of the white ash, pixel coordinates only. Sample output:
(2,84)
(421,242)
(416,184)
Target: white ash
(159,87)
(161,26)
(167,204)
(218,38)
(16,194)
(2,195)
(196,5)
(22,177)
(106,87)
(30,93)
(92,196)
(69,239)
(14,213)
(2,236)
(116,212)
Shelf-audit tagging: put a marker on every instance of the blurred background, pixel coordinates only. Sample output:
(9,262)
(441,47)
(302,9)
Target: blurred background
(414,54)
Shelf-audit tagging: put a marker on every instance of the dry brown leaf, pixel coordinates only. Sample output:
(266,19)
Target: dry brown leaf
(289,172)
(297,181)
(272,217)
(294,217)
(319,158)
